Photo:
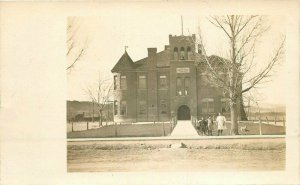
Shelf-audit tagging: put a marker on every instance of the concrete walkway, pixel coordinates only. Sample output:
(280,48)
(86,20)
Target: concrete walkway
(184,128)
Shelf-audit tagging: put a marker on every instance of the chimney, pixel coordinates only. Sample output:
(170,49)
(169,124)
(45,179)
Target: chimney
(152,51)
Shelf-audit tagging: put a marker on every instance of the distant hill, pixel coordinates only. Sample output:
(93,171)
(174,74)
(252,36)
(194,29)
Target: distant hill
(86,107)
(268,108)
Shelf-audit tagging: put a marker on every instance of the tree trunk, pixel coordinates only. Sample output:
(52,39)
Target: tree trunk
(234,122)
(100,118)
(242,112)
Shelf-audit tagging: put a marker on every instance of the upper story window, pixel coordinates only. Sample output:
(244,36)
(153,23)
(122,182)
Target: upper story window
(175,53)
(123,108)
(189,53)
(142,82)
(187,86)
(123,83)
(207,105)
(179,86)
(163,84)
(182,53)
(204,79)
(115,82)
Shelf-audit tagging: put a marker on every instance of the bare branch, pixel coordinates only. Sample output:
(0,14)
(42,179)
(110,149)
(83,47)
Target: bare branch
(266,71)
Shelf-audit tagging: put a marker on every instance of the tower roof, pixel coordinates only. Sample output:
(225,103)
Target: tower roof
(124,63)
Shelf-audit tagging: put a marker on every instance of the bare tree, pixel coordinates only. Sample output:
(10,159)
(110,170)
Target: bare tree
(235,75)
(75,49)
(100,95)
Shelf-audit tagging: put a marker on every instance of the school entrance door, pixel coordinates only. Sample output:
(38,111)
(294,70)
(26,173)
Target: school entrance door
(183,113)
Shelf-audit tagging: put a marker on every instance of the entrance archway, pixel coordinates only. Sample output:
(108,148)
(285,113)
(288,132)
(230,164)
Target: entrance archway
(183,113)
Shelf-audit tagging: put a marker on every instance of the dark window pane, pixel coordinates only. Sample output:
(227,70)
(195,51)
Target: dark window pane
(163,82)
(123,108)
(115,82)
(142,107)
(123,82)
(179,86)
(116,107)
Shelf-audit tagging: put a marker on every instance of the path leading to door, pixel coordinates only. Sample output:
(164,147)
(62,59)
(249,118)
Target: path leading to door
(184,128)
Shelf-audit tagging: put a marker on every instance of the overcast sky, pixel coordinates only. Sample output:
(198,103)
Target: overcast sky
(108,34)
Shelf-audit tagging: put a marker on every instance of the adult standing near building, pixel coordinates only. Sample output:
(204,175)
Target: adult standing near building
(209,125)
(221,123)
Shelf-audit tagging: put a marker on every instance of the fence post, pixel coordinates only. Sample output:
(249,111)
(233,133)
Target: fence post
(72,126)
(260,130)
(87,125)
(283,120)
(164,128)
(116,133)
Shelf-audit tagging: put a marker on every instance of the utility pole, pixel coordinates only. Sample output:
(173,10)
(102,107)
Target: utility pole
(181,26)
(93,112)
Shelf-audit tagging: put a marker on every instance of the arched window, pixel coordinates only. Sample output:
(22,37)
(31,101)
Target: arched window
(189,53)
(182,53)
(175,53)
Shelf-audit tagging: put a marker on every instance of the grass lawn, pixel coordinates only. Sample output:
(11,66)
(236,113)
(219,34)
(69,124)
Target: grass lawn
(125,130)
(160,129)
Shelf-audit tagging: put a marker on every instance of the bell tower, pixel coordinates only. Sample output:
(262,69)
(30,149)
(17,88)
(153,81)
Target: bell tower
(182,48)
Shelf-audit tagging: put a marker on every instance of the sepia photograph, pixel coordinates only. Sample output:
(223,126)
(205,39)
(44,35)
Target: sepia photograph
(172,93)
(149,92)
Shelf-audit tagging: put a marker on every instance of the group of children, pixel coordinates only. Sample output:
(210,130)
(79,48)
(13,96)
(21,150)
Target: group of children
(205,126)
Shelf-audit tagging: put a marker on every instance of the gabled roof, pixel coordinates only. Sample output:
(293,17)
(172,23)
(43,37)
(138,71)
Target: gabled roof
(162,60)
(124,63)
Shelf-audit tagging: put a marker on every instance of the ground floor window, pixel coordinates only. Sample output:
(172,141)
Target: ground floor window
(224,105)
(116,107)
(123,108)
(163,107)
(142,107)
(208,105)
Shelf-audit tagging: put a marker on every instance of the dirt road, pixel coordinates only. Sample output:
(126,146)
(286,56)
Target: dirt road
(200,155)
